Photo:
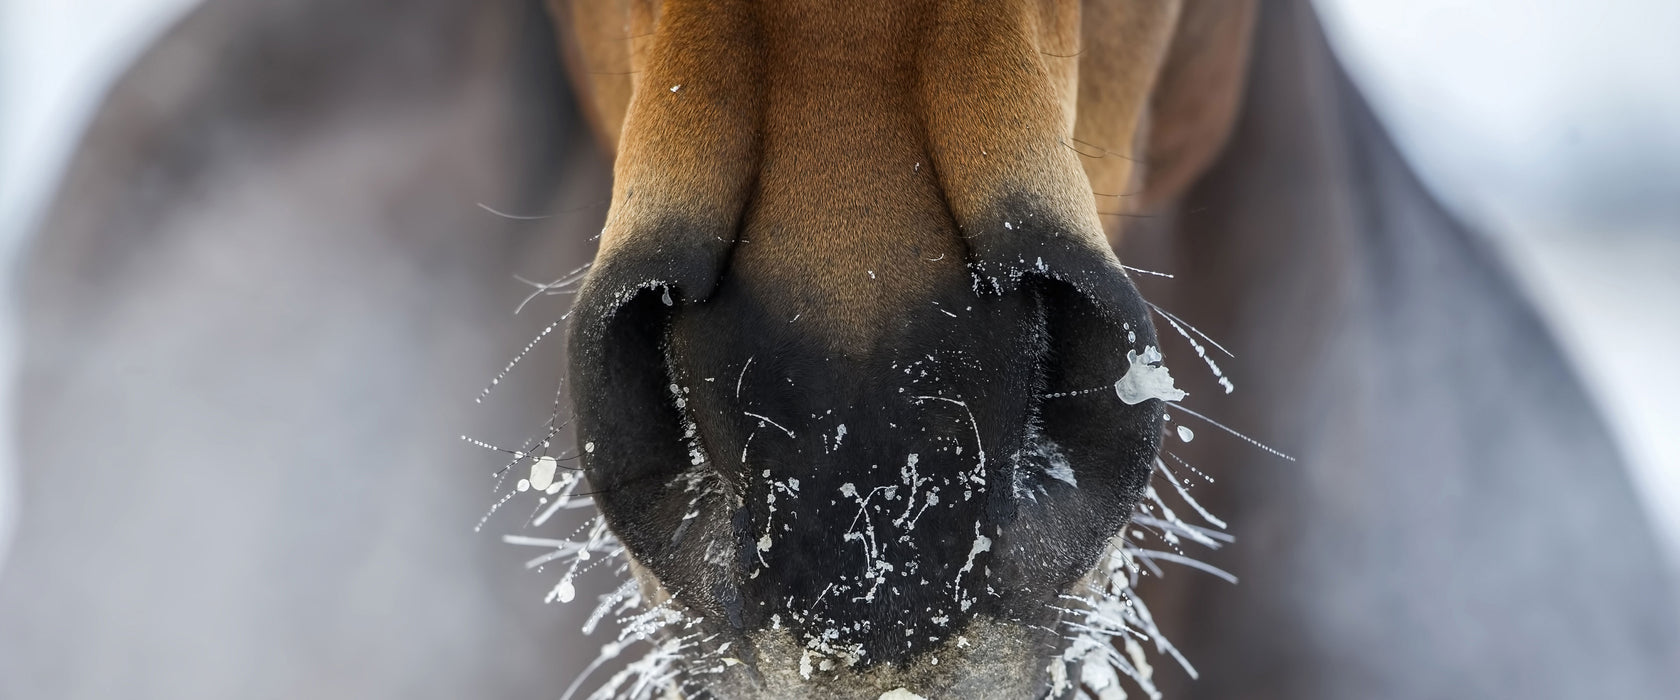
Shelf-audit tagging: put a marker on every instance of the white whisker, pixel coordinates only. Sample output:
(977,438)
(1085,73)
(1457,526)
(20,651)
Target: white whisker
(515,217)
(517,358)
(1187,561)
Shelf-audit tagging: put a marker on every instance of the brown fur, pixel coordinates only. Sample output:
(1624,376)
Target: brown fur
(884,124)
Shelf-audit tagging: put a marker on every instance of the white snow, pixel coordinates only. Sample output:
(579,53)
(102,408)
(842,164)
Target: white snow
(1146,379)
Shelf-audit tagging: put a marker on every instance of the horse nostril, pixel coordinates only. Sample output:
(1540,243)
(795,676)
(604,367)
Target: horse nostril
(867,488)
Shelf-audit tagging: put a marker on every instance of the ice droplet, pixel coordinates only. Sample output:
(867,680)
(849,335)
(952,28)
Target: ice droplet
(565,592)
(542,472)
(1185,434)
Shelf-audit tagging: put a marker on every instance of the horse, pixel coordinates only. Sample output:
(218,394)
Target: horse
(266,289)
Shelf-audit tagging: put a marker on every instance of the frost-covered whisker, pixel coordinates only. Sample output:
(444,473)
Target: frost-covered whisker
(1185,494)
(1181,323)
(545,476)
(561,285)
(1187,561)
(1107,612)
(676,651)
(497,380)
(1179,407)
(1218,374)
(1205,477)
(659,647)
(1106,616)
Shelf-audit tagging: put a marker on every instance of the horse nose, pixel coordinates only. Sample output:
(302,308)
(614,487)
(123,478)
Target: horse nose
(870,481)
(856,373)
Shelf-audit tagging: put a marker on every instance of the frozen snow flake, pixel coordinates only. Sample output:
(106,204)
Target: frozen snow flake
(1146,379)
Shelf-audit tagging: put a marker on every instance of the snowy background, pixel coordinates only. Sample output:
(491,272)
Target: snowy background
(1554,127)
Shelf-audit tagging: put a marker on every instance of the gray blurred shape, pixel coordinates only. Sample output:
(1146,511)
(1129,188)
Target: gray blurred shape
(1555,128)
(253,325)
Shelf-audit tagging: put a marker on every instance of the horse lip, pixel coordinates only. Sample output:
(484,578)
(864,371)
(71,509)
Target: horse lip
(994,658)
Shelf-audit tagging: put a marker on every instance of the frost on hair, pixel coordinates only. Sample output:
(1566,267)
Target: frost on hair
(653,644)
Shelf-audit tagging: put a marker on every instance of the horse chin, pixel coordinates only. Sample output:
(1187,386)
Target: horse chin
(990,657)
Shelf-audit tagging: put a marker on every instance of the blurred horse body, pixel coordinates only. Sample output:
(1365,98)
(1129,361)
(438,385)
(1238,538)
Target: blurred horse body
(258,310)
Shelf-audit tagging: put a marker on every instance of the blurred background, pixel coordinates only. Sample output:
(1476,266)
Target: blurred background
(1553,128)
